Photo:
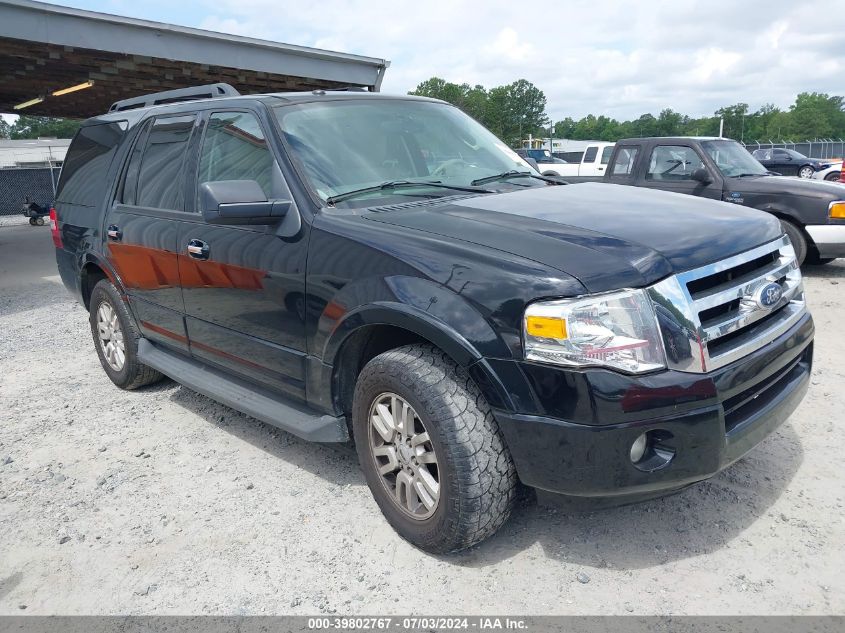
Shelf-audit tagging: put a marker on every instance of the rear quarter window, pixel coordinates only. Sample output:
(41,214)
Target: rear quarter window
(83,180)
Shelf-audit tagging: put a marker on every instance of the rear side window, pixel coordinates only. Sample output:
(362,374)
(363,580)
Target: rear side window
(590,154)
(83,181)
(623,164)
(161,175)
(606,154)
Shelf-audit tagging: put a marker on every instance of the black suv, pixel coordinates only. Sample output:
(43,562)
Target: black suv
(355,266)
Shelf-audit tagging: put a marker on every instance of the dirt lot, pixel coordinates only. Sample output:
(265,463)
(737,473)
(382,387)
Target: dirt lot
(162,501)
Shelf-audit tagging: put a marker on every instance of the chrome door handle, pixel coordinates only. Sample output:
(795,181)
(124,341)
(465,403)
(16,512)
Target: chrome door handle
(114,233)
(198,249)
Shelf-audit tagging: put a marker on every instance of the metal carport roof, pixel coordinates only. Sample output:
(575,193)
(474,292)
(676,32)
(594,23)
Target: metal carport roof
(46,48)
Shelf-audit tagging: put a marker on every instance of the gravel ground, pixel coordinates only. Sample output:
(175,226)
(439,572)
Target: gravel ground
(162,501)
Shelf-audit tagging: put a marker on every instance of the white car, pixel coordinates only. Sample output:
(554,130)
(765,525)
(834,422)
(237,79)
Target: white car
(832,173)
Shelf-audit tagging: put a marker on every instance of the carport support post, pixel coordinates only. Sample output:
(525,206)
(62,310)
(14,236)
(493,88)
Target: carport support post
(52,175)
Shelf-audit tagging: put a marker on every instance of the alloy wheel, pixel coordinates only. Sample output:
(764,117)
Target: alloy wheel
(404,456)
(111,336)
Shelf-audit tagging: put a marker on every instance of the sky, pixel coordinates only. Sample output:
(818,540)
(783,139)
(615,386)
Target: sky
(620,59)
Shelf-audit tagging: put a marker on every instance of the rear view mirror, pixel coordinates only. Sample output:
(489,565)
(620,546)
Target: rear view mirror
(702,176)
(239,202)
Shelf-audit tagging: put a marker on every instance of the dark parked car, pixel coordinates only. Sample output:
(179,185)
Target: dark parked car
(467,324)
(812,212)
(788,162)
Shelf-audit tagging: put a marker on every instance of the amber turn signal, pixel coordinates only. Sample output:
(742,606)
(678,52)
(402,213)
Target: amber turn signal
(547,327)
(837,210)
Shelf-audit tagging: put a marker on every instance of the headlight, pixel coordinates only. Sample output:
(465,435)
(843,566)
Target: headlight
(617,330)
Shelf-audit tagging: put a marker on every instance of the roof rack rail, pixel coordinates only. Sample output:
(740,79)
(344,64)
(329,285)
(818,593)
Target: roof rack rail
(210,91)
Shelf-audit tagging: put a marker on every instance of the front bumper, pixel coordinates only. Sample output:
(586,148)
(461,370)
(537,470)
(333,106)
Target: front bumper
(708,421)
(828,238)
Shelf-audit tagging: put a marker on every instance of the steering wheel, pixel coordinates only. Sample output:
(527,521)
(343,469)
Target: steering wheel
(443,167)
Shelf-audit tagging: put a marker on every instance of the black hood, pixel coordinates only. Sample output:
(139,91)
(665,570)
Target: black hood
(790,184)
(607,236)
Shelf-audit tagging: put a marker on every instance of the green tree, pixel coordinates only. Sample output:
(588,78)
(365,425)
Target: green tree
(816,115)
(38,126)
(511,112)
(526,110)
(5,128)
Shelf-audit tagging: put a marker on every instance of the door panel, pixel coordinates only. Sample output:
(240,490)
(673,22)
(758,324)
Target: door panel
(245,302)
(141,234)
(142,250)
(244,287)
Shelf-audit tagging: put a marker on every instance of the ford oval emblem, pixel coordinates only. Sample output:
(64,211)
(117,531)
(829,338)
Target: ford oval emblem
(768,296)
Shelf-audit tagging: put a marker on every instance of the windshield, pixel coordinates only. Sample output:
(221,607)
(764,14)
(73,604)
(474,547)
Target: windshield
(732,159)
(344,146)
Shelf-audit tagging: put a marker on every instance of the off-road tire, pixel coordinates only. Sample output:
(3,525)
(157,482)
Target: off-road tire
(134,374)
(799,242)
(478,481)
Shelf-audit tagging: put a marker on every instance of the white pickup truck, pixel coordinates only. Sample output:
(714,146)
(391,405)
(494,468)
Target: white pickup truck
(593,162)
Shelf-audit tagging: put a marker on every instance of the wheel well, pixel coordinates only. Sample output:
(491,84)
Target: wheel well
(812,249)
(359,349)
(91,275)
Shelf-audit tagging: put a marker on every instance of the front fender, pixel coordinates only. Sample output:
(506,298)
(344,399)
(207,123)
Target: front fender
(422,306)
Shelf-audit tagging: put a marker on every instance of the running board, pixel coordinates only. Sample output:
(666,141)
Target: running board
(254,401)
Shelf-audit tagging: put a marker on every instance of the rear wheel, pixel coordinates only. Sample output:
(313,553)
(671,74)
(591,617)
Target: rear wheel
(40,220)
(32,221)
(833,177)
(431,450)
(116,339)
(799,242)
(806,172)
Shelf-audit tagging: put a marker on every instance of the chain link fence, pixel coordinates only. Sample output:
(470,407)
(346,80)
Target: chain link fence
(39,183)
(819,148)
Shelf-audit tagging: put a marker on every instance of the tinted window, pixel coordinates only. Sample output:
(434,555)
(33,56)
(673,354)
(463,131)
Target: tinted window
(130,180)
(606,153)
(83,180)
(673,162)
(161,174)
(590,154)
(624,162)
(234,148)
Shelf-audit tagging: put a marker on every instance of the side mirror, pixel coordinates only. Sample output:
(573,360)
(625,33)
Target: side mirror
(701,175)
(239,202)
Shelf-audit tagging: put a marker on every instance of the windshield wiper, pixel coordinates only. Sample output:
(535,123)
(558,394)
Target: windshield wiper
(516,174)
(748,175)
(397,184)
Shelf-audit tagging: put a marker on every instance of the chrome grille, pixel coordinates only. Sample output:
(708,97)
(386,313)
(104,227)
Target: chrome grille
(712,316)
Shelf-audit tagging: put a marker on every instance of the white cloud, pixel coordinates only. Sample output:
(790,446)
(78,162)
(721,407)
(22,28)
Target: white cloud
(616,58)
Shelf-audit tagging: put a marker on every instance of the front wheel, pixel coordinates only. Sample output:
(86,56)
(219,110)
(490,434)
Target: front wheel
(806,172)
(799,242)
(116,339)
(431,450)
(833,177)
